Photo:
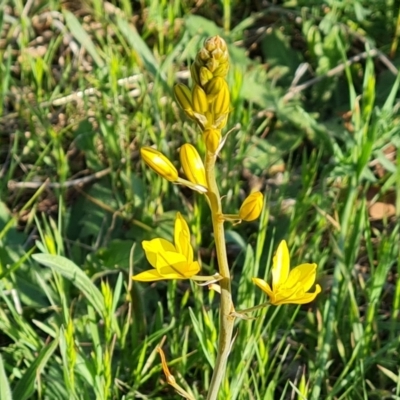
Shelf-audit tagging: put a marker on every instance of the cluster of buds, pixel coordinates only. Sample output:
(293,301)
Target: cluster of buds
(208,101)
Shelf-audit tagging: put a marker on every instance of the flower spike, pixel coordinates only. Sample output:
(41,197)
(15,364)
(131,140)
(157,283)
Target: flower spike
(289,287)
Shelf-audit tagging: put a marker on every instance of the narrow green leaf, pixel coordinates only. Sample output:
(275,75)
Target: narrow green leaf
(199,329)
(392,95)
(82,37)
(72,272)
(25,387)
(5,391)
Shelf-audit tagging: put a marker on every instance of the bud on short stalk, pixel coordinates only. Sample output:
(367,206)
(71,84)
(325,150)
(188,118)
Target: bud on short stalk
(251,207)
(192,165)
(159,163)
(212,139)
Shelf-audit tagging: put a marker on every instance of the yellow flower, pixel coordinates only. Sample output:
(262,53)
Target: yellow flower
(192,165)
(159,163)
(251,207)
(289,286)
(170,261)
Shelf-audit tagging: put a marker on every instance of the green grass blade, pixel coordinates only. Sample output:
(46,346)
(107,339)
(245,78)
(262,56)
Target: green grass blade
(25,387)
(82,37)
(140,46)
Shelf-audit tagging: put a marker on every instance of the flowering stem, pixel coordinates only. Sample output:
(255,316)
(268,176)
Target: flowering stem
(226,305)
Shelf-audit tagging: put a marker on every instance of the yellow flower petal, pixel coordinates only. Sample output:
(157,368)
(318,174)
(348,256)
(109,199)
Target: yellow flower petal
(281,265)
(179,270)
(297,298)
(182,238)
(170,258)
(305,274)
(263,286)
(148,276)
(155,246)
(192,269)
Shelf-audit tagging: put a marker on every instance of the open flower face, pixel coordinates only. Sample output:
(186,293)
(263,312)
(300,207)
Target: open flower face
(170,261)
(289,286)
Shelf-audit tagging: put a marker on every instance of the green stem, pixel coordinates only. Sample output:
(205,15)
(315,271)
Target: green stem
(226,319)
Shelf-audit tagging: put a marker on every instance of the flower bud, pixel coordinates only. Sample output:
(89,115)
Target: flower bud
(212,64)
(194,72)
(210,43)
(204,54)
(214,86)
(183,96)
(159,163)
(221,70)
(215,42)
(212,139)
(192,165)
(205,76)
(222,100)
(199,100)
(251,207)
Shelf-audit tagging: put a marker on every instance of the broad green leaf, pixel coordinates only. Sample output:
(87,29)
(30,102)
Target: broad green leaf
(197,25)
(72,272)
(277,51)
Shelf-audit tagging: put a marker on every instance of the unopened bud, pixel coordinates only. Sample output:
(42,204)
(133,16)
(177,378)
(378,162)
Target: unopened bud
(212,64)
(192,165)
(205,76)
(209,44)
(199,100)
(212,139)
(194,72)
(204,54)
(215,42)
(159,163)
(221,70)
(222,100)
(251,207)
(183,96)
(214,86)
